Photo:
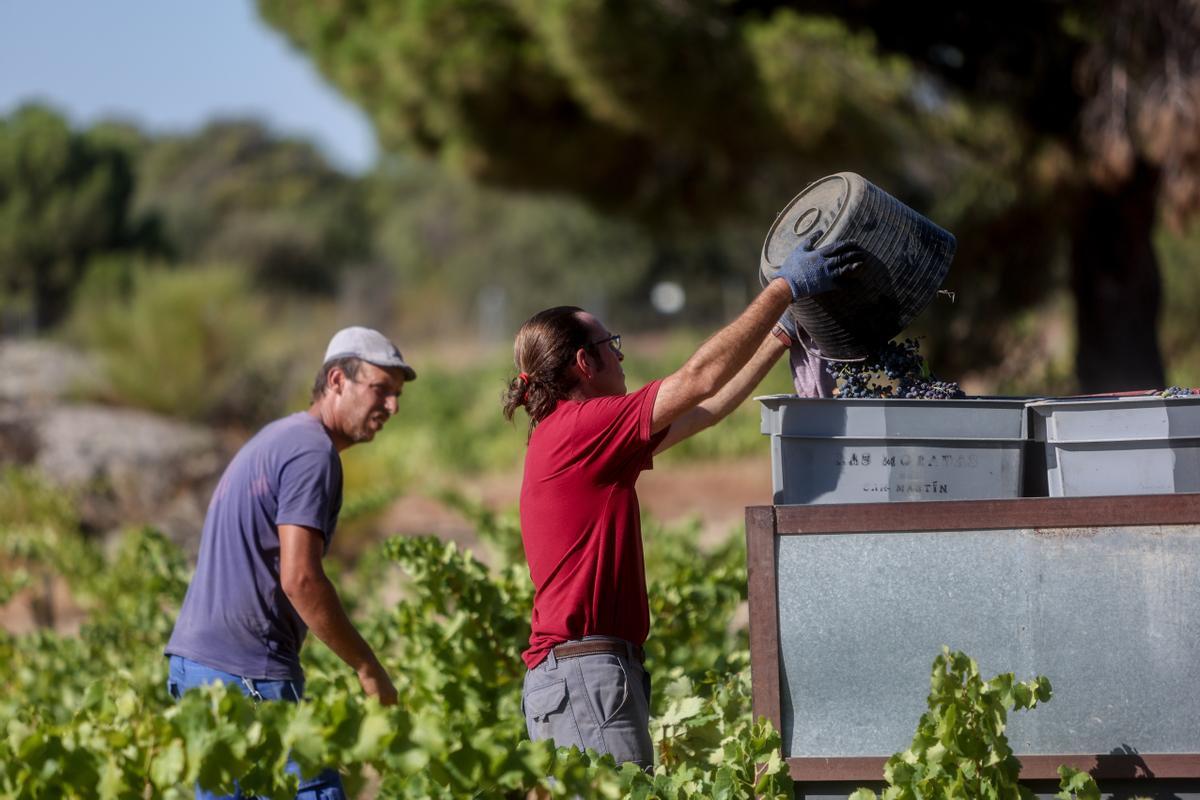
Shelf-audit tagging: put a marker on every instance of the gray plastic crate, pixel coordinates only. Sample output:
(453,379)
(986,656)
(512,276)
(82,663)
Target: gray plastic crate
(1118,445)
(874,451)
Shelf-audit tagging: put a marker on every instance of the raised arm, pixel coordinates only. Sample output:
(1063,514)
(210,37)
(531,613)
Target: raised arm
(806,272)
(719,359)
(316,600)
(732,395)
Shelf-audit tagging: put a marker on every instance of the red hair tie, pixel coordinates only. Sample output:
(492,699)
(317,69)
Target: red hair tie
(524,376)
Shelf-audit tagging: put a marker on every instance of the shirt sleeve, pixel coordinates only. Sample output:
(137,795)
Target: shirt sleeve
(618,430)
(309,492)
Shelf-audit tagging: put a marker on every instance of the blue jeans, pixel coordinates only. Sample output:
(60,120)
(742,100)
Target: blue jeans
(186,674)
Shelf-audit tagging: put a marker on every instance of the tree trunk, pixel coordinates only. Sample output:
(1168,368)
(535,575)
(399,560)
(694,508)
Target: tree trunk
(1114,276)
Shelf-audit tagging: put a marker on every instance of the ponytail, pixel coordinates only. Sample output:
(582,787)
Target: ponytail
(544,352)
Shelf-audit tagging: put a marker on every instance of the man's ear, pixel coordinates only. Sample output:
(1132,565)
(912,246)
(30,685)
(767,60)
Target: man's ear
(582,364)
(336,380)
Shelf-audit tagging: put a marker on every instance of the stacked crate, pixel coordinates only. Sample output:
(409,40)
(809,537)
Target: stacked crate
(881,450)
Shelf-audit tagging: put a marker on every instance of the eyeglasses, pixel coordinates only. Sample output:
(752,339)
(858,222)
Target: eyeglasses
(613,341)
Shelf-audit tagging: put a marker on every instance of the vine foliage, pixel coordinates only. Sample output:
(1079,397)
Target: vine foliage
(960,749)
(87,714)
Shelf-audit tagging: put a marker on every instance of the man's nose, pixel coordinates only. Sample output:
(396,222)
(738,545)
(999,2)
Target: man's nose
(392,404)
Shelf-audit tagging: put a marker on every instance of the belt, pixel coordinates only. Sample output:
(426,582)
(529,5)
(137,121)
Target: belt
(592,646)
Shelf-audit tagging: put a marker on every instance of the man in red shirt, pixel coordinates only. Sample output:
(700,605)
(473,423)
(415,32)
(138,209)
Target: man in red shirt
(580,520)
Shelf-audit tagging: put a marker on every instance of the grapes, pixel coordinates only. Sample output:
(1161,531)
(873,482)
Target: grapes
(895,370)
(1179,391)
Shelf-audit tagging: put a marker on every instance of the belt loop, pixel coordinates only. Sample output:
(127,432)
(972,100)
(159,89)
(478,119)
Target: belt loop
(255,695)
(629,651)
(551,660)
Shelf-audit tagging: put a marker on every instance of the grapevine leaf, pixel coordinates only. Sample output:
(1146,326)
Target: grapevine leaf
(303,738)
(166,769)
(373,735)
(1076,785)
(681,710)
(112,780)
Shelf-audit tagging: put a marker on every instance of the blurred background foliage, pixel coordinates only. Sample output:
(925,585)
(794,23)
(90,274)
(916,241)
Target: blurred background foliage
(588,151)
(198,343)
(234,192)
(1045,135)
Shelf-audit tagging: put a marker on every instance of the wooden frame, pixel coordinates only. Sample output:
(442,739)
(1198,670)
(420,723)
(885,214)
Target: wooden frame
(765,523)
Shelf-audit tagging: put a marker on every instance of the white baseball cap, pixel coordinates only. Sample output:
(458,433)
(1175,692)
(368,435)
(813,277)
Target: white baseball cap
(371,346)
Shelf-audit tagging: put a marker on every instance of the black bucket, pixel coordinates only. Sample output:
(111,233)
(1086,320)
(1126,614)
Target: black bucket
(912,257)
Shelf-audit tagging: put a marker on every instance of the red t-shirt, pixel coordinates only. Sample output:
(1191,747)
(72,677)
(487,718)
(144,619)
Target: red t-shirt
(580,520)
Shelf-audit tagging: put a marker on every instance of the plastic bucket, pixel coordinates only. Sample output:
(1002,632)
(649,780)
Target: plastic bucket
(912,257)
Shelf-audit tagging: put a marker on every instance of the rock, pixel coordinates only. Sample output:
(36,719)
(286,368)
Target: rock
(37,371)
(125,467)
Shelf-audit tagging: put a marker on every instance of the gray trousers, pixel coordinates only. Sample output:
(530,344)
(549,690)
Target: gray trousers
(601,701)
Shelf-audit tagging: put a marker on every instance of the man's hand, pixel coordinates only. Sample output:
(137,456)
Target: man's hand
(810,271)
(376,683)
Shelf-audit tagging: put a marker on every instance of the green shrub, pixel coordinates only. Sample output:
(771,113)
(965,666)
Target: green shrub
(26,500)
(38,526)
(195,343)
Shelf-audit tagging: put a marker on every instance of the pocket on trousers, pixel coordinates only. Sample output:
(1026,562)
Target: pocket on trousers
(549,716)
(546,700)
(607,685)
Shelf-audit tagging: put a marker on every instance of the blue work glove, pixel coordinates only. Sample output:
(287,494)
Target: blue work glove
(811,270)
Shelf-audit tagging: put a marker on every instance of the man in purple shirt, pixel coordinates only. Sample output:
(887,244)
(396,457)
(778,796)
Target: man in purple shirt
(259,585)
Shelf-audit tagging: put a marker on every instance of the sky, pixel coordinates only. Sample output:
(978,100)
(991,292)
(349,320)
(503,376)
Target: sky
(170,66)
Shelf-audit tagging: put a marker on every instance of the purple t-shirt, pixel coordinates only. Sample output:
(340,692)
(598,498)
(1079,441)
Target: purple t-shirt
(235,616)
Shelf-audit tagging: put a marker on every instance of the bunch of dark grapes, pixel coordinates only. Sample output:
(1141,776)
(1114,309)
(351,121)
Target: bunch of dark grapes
(896,370)
(1178,391)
